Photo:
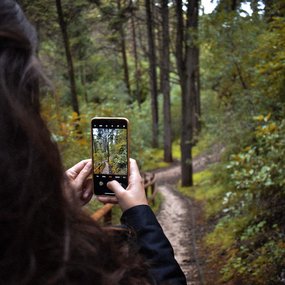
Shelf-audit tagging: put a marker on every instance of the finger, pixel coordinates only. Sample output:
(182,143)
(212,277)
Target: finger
(107,199)
(88,189)
(76,169)
(134,170)
(133,165)
(115,187)
(84,173)
(85,199)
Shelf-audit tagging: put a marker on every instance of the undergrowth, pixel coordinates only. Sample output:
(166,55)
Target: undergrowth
(244,199)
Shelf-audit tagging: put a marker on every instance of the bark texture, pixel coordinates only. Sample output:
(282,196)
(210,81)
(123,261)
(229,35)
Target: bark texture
(71,75)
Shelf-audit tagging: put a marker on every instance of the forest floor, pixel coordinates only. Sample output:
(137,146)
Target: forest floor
(182,219)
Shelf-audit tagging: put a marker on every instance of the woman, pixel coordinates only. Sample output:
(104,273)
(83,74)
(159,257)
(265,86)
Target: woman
(45,237)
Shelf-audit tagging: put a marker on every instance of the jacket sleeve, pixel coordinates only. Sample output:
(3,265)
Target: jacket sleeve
(154,245)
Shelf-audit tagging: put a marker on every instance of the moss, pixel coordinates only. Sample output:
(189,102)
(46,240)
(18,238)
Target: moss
(153,159)
(176,150)
(204,142)
(206,190)
(225,232)
(202,177)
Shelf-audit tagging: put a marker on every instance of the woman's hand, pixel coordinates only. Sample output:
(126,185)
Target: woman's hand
(78,179)
(134,195)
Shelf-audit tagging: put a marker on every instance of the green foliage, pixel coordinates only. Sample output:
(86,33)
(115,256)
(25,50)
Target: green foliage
(242,76)
(259,165)
(270,75)
(243,70)
(250,233)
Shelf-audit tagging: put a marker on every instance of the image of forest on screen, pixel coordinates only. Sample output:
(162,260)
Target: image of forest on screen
(110,151)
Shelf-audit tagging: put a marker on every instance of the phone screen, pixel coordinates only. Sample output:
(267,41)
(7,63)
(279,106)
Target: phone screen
(109,153)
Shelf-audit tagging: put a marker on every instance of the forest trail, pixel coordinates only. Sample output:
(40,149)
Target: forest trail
(179,216)
(106,169)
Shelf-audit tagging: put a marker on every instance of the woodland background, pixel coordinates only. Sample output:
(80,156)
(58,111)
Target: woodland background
(187,81)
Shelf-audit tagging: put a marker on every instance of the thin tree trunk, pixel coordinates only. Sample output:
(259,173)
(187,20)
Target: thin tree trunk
(137,70)
(165,82)
(160,50)
(124,53)
(228,5)
(180,41)
(108,151)
(125,62)
(268,10)
(198,112)
(152,74)
(193,16)
(235,4)
(254,7)
(83,82)
(157,32)
(69,60)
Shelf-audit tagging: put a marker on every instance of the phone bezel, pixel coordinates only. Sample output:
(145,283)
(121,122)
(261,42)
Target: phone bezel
(109,120)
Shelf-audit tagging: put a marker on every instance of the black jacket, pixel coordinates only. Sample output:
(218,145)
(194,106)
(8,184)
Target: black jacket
(154,245)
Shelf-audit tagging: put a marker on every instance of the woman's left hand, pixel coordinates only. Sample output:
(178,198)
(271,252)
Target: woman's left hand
(79,180)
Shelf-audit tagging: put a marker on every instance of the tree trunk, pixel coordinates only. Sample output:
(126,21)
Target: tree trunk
(269,11)
(160,50)
(183,57)
(179,52)
(137,70)
(198,112)
(193,65)
(83,82)
(124,53)
(228,5)
(152,74)
(69,60)
(187,130)
(187,57)
(254,7)
(125,62)
(167,138)
(235,4)
(190,94)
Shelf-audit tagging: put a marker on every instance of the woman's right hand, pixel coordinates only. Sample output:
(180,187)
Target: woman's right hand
(133,195)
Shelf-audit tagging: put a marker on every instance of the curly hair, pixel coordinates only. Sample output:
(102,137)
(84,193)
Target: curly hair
(44,238)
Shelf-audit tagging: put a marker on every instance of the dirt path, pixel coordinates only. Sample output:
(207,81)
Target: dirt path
(106,169)
(179,216)
(175,217)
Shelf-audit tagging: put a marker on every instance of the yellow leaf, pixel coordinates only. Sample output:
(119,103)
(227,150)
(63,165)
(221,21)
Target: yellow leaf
(272,127)
(259,118)
(267,117)
(74,116)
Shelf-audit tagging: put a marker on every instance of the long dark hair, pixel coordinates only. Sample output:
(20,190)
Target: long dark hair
(43,238)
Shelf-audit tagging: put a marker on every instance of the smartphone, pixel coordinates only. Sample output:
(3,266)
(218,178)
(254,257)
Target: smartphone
(110,152)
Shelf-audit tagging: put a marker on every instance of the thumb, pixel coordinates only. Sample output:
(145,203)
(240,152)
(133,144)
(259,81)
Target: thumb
(116,187)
